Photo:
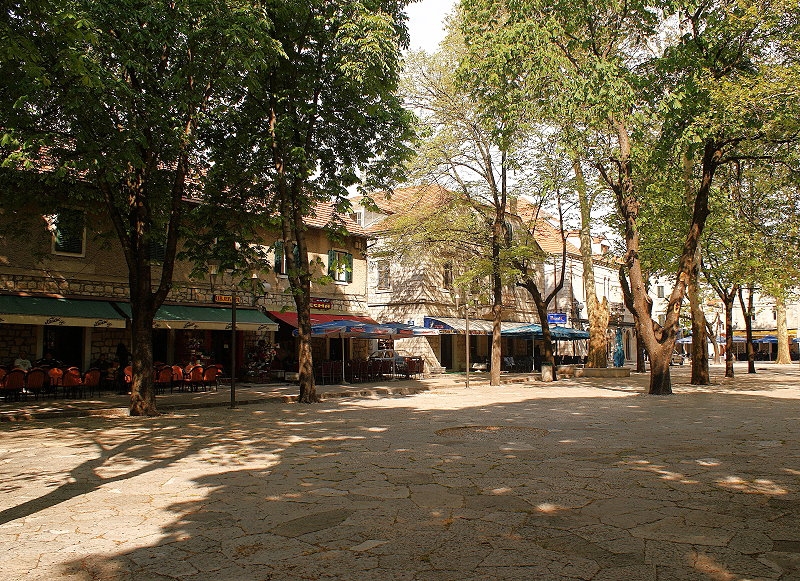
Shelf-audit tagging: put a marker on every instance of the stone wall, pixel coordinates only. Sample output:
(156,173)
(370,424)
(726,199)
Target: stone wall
(16,339)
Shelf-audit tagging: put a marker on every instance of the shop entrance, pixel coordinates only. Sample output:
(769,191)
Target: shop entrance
(65,343)
(446,357)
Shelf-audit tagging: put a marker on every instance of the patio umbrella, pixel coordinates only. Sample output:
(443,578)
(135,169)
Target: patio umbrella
(402,330)
(346,328)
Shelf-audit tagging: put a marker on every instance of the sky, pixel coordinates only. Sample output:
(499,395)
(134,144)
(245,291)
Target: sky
(426,22)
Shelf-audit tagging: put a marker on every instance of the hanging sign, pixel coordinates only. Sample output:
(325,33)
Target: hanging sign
(227,299)
(557,318)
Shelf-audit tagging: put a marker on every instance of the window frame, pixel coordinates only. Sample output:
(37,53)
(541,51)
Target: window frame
(52,226)
(384,279)
(447,276)
(340,266)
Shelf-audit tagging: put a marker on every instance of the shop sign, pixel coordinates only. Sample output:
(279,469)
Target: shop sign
(321,304)
(227,299)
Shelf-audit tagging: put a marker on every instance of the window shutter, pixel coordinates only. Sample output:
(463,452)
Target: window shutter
(68,231)
(349,273)
(331,261)
(296,255)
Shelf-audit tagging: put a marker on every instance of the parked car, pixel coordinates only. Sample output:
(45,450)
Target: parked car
(390,356)
(677,358)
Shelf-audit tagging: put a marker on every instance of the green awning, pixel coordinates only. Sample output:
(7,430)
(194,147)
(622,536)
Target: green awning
(212,318)
(37,310)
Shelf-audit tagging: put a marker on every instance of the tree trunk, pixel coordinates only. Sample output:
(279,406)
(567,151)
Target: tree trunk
(659,340)
(497,306)
(143,396)
(660,379)
(548,357)
(699,350)
(747,311)
(783,332)
(597,312)
(641,363)
(729,334)
(598,325)
(700,375)
(300,280)
(308,389)
(497,313)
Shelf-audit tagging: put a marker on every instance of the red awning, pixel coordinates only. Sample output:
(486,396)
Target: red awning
(317,318)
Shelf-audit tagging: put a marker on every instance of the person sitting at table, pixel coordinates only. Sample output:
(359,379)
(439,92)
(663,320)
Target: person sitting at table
(22,362)
(102,363)
(48,361)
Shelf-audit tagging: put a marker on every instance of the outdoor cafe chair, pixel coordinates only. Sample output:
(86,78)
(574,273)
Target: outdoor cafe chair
(3,372)
(91,380)
(13,385)
(178,377)
(195,379)
(210,377)
(72,382)
(56,379)
(35,381)
(163,379)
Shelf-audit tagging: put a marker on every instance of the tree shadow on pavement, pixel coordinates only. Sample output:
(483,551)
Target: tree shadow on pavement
(696,487)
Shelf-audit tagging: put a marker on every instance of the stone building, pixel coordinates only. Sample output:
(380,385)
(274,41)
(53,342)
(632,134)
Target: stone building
(64,291)
(420,291)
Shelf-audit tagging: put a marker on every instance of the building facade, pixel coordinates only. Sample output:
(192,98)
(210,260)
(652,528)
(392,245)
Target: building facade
(64,292)
(421,292)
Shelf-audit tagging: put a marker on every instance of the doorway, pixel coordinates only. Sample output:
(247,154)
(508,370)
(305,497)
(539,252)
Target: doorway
(66,344)
(446,356)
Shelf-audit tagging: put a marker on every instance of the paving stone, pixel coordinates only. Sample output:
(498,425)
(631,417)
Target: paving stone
(622,486)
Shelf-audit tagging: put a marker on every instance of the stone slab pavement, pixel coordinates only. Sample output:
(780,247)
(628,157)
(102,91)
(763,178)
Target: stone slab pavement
(582,479)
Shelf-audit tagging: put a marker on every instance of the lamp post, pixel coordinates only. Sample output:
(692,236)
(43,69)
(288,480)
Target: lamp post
(466,297)
(255,283)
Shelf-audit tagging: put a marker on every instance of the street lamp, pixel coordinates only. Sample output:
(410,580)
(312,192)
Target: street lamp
(255,283)
(466,296)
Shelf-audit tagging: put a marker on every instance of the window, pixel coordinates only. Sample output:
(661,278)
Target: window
(383,274)
(340,266)
(157,250)
(509,232)
(282,265)
(69,232)
(447,275)
(660,291)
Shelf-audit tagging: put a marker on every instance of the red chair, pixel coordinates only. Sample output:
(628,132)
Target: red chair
(35,381)
(56,379)
(72,382)
(91,380)
(196,378)
(163,380)
(3,372)
(178,377)
(210,377)
(13,385)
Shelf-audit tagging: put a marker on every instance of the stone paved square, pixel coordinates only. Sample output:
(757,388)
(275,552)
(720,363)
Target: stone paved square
(583,479)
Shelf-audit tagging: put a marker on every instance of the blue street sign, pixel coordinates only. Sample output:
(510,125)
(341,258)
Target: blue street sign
(557,318)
